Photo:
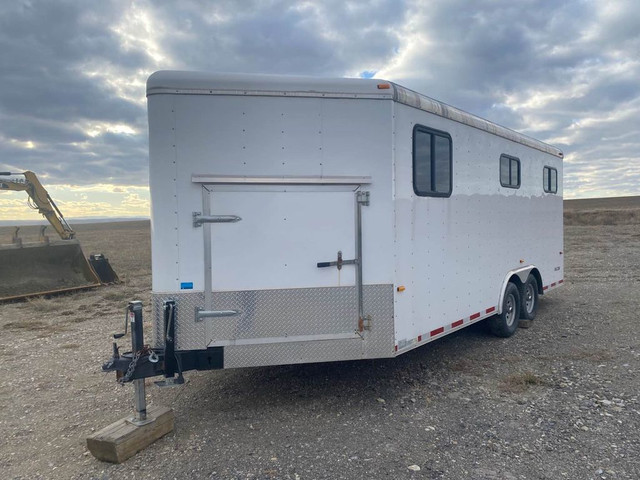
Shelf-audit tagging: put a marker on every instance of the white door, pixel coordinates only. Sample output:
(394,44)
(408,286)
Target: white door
(284,233)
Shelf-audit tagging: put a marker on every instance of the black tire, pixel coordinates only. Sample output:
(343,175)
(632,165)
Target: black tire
(506,323)
(529,299)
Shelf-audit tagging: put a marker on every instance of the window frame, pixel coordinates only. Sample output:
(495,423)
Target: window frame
(510,158)
(433,132)
(547,187)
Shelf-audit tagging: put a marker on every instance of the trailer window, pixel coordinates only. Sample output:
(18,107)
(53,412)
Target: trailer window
(431,162)
(509,171)
(550,180)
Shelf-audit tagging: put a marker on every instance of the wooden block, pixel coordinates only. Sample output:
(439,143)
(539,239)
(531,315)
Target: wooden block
(122,440)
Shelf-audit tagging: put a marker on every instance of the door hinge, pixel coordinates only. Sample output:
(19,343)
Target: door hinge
(362,197)
(364,323)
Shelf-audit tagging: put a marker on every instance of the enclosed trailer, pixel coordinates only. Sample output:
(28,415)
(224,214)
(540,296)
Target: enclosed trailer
(309,220)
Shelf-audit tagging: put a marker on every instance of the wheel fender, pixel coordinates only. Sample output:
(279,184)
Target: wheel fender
(522,273)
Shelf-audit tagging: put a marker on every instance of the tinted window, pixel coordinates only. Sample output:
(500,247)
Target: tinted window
(550,179)
(422,161)
(431,162)
(509,171)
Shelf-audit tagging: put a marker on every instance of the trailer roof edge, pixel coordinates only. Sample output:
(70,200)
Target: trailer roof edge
(417,100)
(201,83)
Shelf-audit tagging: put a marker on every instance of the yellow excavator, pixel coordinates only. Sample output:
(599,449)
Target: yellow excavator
(46,267)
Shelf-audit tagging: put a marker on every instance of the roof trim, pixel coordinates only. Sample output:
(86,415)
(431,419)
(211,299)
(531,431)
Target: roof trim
(427,104)
(199,83)
(209,179)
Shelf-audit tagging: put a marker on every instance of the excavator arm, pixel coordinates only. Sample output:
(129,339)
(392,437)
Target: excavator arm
(39,199)
(45,268)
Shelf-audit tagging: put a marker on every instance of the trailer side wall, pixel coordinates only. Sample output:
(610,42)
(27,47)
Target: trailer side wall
(453,253)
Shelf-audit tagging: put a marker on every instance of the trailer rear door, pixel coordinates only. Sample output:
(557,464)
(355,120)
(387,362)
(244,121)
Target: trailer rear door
(284,233)
(290,234)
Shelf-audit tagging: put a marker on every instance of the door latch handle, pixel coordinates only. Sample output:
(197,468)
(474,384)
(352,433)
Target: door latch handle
(338,263)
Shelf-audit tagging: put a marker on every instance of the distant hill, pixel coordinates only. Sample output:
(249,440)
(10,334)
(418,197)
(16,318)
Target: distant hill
(602,211)
(610,203)
(71,221)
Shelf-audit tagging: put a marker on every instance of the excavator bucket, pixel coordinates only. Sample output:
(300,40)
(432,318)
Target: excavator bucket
(44,268)
(102,267)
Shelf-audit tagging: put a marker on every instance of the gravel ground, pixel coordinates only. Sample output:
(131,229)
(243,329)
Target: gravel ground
(558,400)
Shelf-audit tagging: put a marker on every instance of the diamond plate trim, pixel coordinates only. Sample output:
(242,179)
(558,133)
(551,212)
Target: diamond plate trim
(280,313)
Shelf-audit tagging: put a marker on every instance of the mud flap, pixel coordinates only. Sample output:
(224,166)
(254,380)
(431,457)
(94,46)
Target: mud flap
(40,268)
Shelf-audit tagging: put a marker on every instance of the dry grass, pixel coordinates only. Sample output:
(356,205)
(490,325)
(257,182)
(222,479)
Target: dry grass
(43,305)
(119,295)
(520,382)
(30,325)
(469,368)
(602,211)
(596,355)
(603,217)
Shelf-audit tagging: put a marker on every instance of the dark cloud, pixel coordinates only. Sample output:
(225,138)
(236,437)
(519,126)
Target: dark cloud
(72,73)
(564,72)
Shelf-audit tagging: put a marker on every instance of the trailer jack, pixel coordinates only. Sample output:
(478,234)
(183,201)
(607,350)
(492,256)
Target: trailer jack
(144,362)
(122,439)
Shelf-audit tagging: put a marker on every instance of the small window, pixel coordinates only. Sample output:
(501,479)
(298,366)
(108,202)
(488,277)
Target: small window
(431,162)
(509,171)
(550,180)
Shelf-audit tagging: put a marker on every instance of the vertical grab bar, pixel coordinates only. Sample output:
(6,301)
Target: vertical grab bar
(206,211)
(362,199)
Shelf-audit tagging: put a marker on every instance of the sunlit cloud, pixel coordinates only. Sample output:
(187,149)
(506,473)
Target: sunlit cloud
(96,129)
(99,200)
(28,144)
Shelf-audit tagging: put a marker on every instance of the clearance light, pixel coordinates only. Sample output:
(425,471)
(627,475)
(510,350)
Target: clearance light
(384,86)
(401,288)
(521,261)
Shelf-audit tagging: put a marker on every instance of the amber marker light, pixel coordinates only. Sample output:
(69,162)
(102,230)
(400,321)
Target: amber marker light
(384,86)
(521,261)
(401,288)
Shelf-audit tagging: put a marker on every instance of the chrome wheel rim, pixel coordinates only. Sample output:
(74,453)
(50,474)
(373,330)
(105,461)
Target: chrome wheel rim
(529,298)
(510,309)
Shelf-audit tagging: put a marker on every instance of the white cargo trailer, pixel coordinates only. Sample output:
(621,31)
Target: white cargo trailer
(309,220)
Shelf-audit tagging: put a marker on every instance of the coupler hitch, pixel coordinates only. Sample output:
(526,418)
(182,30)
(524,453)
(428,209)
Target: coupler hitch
(144,362)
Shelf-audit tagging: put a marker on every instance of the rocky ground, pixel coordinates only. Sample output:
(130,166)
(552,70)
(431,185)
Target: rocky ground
(558,400)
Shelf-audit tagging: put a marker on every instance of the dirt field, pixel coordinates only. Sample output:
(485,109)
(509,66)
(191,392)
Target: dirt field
(558,400)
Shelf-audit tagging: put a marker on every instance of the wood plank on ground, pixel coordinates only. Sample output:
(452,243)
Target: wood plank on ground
(121,440)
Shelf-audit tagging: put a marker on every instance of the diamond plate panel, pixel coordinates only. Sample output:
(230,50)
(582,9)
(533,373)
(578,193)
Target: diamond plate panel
(190,335)
(293,352)
(280,313)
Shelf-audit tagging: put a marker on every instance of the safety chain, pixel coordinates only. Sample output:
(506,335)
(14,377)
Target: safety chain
(132,366)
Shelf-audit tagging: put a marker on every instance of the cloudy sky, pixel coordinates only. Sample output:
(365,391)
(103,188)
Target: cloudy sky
(72,77)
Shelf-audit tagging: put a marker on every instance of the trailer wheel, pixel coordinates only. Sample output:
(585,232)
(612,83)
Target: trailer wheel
(505,324)
(529,298)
